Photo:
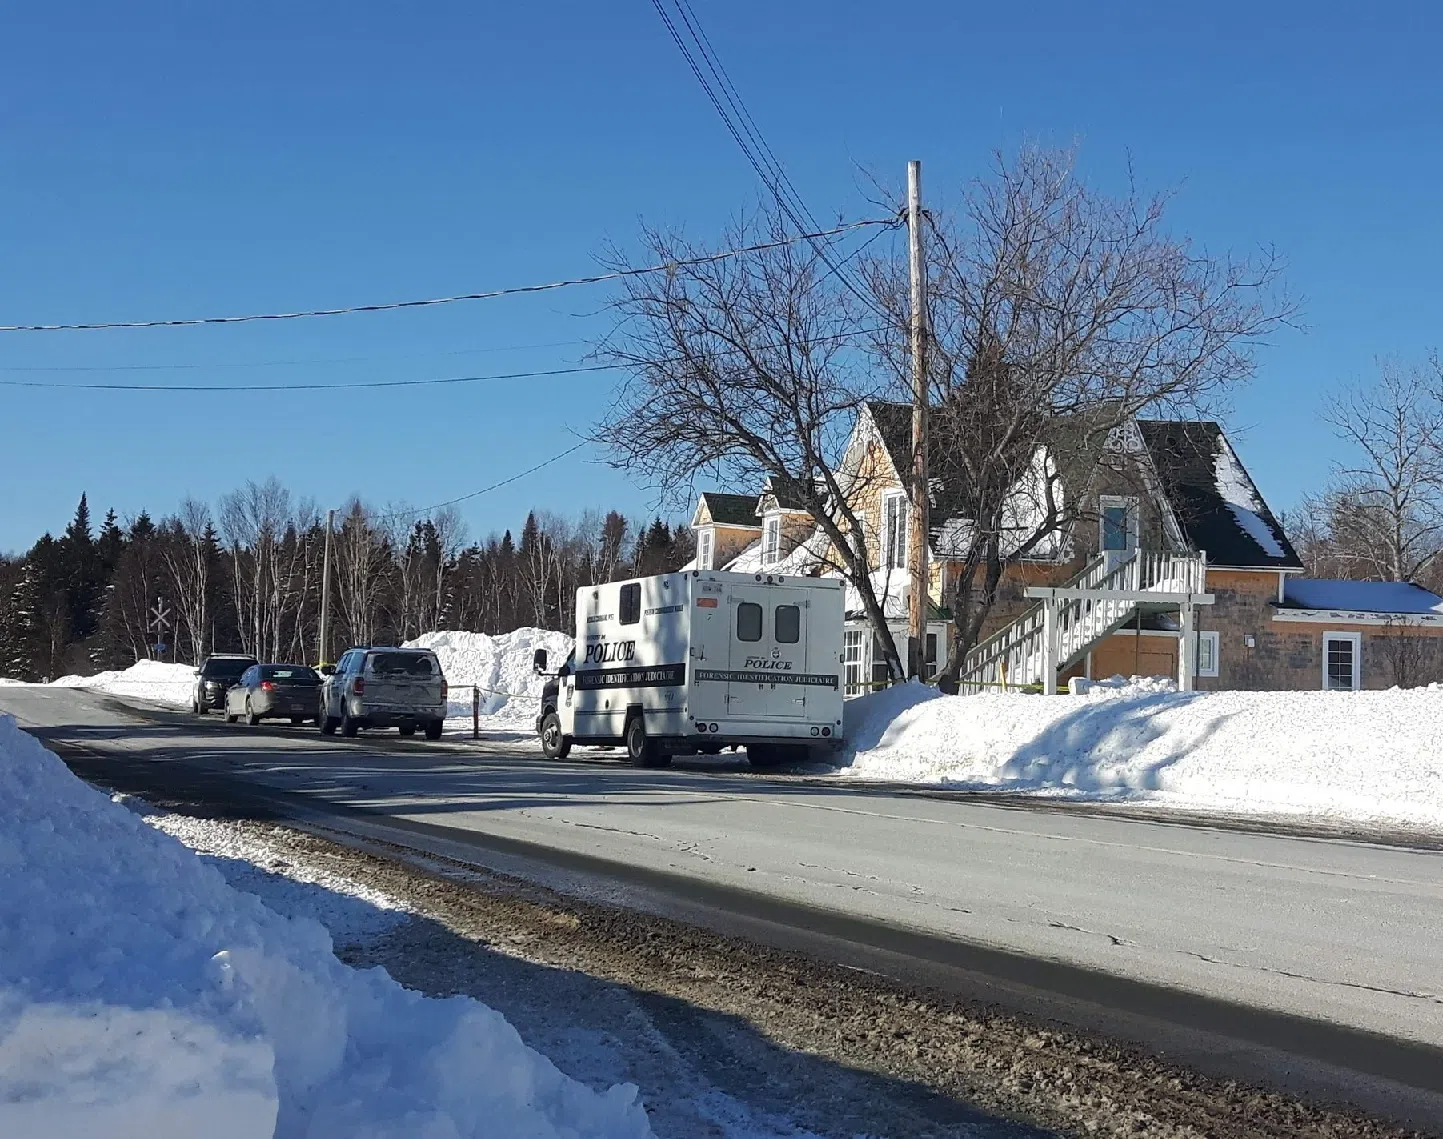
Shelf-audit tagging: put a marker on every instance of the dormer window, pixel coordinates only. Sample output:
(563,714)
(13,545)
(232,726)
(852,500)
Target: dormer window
(705,547)
(771,541)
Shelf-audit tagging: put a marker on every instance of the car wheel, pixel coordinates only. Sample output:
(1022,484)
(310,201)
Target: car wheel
(251,717)
(349,727)
(230,717)
(408,729)
(554,745)
(640,750)
(433,729)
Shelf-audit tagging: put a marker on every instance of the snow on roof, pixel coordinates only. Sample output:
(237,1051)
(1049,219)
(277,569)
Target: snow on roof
(1237,490)
(804,558)
(1360,596)
(890,587)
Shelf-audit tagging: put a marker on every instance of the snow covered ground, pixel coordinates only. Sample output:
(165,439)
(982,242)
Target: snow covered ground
(1369,758)
(171,685)
(141,995)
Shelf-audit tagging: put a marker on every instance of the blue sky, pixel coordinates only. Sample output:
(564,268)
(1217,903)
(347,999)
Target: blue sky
(173,160)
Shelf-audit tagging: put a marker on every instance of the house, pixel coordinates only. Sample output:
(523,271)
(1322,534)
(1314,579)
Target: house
(1177,568)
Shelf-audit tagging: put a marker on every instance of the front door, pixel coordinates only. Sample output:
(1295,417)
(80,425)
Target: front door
(768,665)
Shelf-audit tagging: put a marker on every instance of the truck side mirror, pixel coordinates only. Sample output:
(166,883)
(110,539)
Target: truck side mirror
(538,662)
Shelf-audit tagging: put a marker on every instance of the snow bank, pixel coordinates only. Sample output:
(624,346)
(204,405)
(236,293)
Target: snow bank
(1350,757)
(142,996)
(152,680)
(510,690)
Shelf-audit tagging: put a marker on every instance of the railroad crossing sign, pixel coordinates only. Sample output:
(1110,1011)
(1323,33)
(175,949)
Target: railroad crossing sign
(159,623)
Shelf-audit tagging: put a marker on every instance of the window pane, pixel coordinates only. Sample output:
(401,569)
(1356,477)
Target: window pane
(749,622)
(629,607)
(788,625)
(1114,528)
(1340,664)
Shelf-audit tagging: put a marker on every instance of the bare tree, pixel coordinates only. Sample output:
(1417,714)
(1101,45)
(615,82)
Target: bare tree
(188,550)
(362,557)
(746,369)
(1382,517)
(1058,314)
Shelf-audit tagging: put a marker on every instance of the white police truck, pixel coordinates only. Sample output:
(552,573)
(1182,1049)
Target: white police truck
(699,661)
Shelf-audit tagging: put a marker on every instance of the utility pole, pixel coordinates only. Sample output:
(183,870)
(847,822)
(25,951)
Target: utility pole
(325,646)
(917,531)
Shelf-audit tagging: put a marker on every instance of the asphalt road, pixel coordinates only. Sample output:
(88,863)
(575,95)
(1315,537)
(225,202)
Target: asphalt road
(1312,957)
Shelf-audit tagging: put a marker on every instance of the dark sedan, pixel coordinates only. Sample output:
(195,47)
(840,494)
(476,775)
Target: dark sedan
(274,692)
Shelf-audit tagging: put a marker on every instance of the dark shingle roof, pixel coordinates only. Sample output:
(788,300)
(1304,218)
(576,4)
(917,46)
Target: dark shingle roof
(1216,502)
(732,509)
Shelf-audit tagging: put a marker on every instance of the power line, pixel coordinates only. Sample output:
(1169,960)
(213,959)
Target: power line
(576,369)
(308,387)
(192,367)
(390,306)
(754,147)
(420,510)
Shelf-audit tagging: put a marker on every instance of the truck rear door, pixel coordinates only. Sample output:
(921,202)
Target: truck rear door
(768,662)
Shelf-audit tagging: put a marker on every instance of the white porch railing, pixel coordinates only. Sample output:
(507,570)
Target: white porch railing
(1095,603)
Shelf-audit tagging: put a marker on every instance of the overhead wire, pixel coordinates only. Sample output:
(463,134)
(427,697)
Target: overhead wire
(518,290)
(754,147)
(422,510)
(429,381)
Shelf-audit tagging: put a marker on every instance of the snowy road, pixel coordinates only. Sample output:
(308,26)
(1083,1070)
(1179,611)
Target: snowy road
(1346,934)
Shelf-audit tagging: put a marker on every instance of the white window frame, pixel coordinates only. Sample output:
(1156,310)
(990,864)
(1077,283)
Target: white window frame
(854,667)
(894,540)
(1207,638)
(1356,639)
(705,547)
(1129,503)
(771,540)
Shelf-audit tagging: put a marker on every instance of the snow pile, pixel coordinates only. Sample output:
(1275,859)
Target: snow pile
(142,996)
(501,666)
(155,681)
(1348,757)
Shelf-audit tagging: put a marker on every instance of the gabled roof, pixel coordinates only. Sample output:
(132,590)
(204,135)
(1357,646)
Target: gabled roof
(731,509)
(1215,501)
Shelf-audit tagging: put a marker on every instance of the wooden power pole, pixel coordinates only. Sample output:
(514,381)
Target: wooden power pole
(325,644)
(917,516)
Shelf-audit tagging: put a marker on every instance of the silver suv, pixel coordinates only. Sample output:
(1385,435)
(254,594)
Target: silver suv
(384,688)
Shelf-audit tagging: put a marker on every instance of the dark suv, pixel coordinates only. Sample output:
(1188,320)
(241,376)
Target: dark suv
(216,676)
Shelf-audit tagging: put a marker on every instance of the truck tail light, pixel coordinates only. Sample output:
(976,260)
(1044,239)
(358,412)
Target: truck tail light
(445,689)
(359,687)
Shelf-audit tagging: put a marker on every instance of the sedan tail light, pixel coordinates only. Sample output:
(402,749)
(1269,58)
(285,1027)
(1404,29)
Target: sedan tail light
(267,686)
(359,687)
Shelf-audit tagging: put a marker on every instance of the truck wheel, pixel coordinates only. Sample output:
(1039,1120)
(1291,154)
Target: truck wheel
(200,708)
(433,729)
(328,724)
(641,751)
(349,727)
(554,745)
(765,756)
(408,729)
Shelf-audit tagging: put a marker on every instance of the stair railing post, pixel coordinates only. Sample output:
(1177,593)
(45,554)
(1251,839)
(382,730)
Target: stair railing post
(1187,643)
(1049,647)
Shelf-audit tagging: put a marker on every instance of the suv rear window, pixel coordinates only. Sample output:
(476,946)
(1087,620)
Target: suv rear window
(402,664)
(290,674)
(225,669)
